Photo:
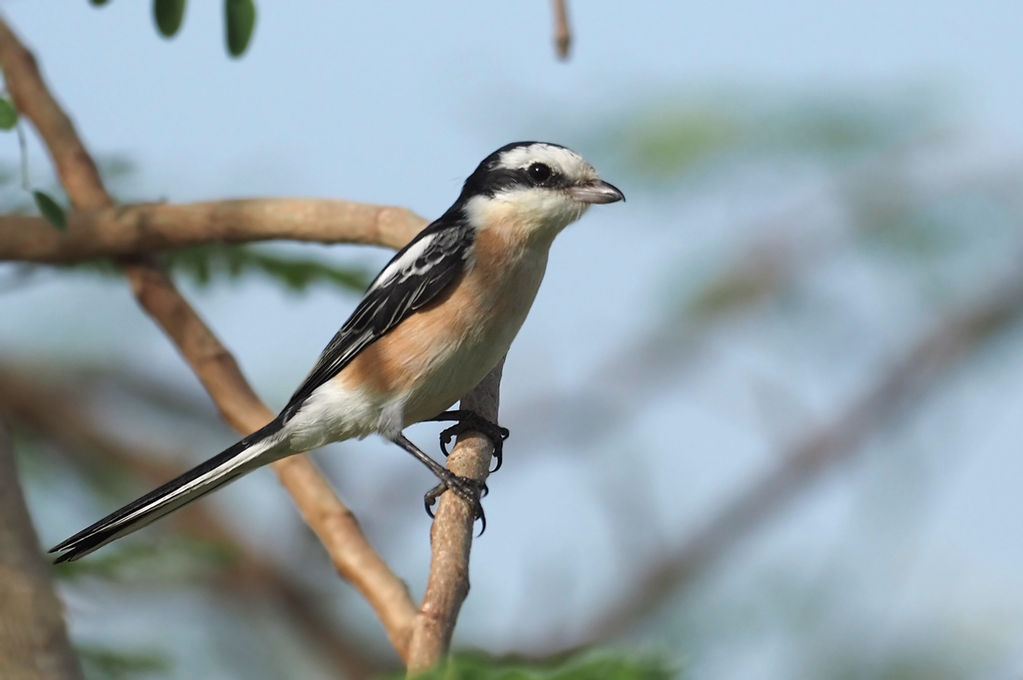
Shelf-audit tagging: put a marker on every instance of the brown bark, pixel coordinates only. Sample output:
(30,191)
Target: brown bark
(562,33)
(152,227)
(34,644)
(451,538)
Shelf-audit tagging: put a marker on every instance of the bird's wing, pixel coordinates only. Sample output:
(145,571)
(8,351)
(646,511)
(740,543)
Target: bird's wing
(413,277)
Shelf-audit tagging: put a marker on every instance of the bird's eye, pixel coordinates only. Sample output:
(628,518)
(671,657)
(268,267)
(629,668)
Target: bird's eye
(539,172)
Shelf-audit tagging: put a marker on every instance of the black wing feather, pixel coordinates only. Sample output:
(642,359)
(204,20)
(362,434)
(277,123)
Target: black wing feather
(388,301)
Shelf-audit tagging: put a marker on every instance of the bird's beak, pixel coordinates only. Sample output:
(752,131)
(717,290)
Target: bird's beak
(596,191)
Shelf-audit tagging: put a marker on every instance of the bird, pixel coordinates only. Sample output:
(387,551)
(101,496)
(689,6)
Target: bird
(439,316)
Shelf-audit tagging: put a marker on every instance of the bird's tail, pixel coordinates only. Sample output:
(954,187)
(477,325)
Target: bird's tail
(257,449)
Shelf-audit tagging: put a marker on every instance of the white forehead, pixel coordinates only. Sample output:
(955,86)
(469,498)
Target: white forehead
(562,160)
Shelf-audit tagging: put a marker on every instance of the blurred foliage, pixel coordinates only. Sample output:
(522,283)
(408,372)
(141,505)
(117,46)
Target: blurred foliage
(100,663)
(821,645)
(886,168)
(208,264)
(938,660)
(178,560)
(741,289)
(590,665)
(906,218)
(660,139)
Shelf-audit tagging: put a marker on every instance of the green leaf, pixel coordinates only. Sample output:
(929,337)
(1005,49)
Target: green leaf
(240,16)
(98,3)
(8,115)
(51,210)
(168,15)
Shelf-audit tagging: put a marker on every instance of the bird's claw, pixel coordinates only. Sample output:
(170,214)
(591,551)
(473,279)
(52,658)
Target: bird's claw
(466,488)
(475,423)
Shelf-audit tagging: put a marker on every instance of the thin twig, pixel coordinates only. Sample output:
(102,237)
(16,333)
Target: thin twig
(562,32)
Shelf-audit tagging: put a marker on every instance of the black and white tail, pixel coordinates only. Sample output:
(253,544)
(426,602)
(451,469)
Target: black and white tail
(258,449)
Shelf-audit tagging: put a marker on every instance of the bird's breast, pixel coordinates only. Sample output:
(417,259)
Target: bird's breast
(440,352)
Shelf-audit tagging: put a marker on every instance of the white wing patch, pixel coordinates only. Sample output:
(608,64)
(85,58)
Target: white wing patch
(406,262)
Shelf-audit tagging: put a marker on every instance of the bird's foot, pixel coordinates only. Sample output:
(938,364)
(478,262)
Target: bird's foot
(470,421)
(466,488)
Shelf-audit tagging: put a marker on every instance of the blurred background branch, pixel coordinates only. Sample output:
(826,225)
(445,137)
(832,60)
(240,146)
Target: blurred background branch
(54,414)
(937,353)
(34,644)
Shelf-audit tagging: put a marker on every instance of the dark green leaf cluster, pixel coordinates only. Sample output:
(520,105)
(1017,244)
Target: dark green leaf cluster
(239,21)
(587,666)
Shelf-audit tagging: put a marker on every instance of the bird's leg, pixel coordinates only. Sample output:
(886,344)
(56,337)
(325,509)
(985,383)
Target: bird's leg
(464,487)
(470,421)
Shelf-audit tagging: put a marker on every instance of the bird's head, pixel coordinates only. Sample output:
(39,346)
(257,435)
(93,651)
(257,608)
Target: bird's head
(538,186)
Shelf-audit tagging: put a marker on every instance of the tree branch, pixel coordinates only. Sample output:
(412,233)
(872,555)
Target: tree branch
(353,556)
(151,227)
(451,537)
(34,644)
(934,354)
